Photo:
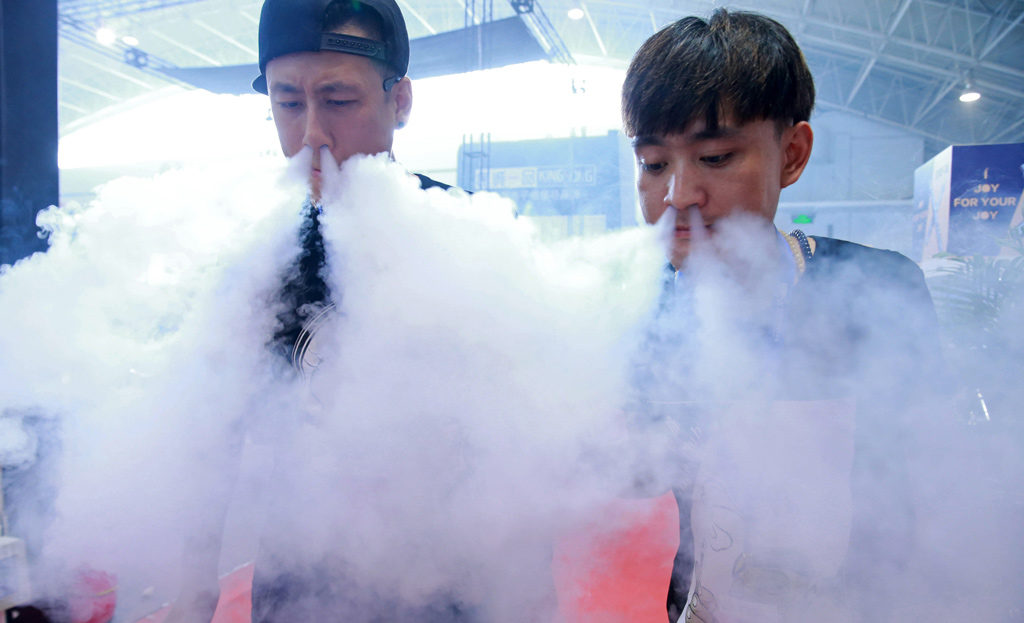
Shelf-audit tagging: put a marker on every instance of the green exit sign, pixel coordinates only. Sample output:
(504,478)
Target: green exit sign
(803,219)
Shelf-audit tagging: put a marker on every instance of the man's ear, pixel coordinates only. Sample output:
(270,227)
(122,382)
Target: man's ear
(797,142)
(401,93)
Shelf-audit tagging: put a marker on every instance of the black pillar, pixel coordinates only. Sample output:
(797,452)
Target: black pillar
(29,178)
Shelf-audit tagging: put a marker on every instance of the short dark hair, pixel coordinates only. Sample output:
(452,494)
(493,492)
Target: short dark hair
(738,63)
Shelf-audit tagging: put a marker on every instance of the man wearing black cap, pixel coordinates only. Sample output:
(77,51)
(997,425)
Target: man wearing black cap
(335,71)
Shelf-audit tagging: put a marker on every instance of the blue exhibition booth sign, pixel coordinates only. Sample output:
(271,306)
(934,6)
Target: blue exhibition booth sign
(970,198)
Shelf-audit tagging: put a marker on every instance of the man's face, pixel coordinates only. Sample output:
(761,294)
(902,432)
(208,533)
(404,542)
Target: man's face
(334,100)
(707,175)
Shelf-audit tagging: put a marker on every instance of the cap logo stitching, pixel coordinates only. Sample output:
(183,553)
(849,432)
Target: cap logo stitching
(354,45)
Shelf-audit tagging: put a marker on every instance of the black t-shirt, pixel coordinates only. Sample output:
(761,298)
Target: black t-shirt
(305,294)
(320,590)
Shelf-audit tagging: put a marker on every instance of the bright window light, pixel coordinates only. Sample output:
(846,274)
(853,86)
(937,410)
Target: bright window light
(105,35)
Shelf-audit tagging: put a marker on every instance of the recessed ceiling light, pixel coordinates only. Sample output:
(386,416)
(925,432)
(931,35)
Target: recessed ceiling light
(129,40)
(105,35)
(575,13)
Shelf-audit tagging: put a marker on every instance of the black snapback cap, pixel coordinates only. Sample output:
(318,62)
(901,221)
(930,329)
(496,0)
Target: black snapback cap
(289,26)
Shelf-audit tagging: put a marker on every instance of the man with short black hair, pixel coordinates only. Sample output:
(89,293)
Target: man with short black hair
(798,362)
(740,79)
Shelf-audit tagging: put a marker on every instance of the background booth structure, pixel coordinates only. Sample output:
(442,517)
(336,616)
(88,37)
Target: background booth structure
(570,186)
(969,199)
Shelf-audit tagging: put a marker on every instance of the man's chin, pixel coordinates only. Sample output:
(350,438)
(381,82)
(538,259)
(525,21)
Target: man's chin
(679,252)
(314,189)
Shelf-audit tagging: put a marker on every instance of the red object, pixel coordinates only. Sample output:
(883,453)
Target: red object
(93,596)
(615,570)
(235,605)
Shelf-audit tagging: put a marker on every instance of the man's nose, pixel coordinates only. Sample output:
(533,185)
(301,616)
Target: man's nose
(316,135)
(684,190)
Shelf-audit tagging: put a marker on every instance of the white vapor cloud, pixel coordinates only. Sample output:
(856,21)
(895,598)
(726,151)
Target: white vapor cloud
(470,375)
(473,400)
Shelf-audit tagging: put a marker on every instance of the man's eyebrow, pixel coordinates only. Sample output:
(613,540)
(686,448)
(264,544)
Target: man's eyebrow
(330,87)
(337,87)
(283,87)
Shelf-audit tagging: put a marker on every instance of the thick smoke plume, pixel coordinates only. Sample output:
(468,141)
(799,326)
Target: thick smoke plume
(466,410)
(479,395)
(128,347)
(849,468)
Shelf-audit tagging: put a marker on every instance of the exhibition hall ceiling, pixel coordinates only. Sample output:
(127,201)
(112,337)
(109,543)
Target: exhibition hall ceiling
(902,63)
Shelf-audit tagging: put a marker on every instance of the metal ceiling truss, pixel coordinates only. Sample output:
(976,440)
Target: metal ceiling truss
(133,70)
(100,10)
(899,62)
(904,62)
(538,23)
(76,32)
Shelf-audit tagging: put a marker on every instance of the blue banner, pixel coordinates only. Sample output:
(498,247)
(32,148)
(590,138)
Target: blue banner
(986,183)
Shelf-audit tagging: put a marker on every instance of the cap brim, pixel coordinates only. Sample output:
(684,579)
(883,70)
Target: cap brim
(260,84)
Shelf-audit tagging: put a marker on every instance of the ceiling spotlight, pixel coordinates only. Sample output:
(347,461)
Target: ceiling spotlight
(970,94)
(130,40)
(575,13)
(105,35)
